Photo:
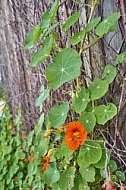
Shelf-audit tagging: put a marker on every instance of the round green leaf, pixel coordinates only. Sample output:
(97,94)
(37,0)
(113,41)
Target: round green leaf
(79,102)
(68,177)
(88,173)
(106,24)
(71,20)
(88,120)
(109,73)
(101,163)
(121,58)
(65,67)
(104,113)
(98,88)
(58,114)
(80,183)
(78,37)
(51,174)
(89,154)
(120,175)
(112,166)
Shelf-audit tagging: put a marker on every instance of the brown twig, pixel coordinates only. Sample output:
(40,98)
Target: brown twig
(122,10)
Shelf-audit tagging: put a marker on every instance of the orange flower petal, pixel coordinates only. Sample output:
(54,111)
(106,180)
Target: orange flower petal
(47,159)
(75,135)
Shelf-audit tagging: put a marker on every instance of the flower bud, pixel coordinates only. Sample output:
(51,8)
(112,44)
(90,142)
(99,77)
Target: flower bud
(48,133)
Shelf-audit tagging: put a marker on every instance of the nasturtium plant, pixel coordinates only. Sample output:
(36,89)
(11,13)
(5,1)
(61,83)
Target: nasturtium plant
(65,67)
(88,173)
(43,53)
(121,58)
(80,100)
(88,119)
(109,73)
(32,37)
(58,114)
(98,88)
(92,24)
(64,150)
(89,154)
(104,27)
(78,37)
(103,113)
(71,20)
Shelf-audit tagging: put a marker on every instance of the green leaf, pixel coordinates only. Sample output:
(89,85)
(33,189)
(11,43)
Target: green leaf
(42,53)
(67,176)
(58,114)
(30,138)
(80,183)
(71,20)
(89,154)
(78,37)
(106,24)
(88,173)
(98,88)
(44,93)
(49,15)
(63,152)
(20,154)
(65,67)
(8,150)
(51,174)
(32,37)
(80,101)
(38,127)
(30,168)
(93,23)
(104,113)
(121,58)
(88,120)
(112,166)
(120,175)
(109,73)
(101,163)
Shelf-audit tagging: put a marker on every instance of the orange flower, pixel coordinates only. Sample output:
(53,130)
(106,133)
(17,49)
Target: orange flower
(47,162)
(31,157)
(75,135)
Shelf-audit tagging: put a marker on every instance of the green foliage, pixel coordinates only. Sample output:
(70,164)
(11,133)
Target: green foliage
(32,37)
(71,20)
(78,37)
(79,102)
(22,159)
(104,27)
(104,113)
(58,114)
(42,53)
(65,67)
(98,88)
(88,119)
(109,73)
(121,58)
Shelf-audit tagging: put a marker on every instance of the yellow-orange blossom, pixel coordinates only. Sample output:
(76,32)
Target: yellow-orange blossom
(75,135)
